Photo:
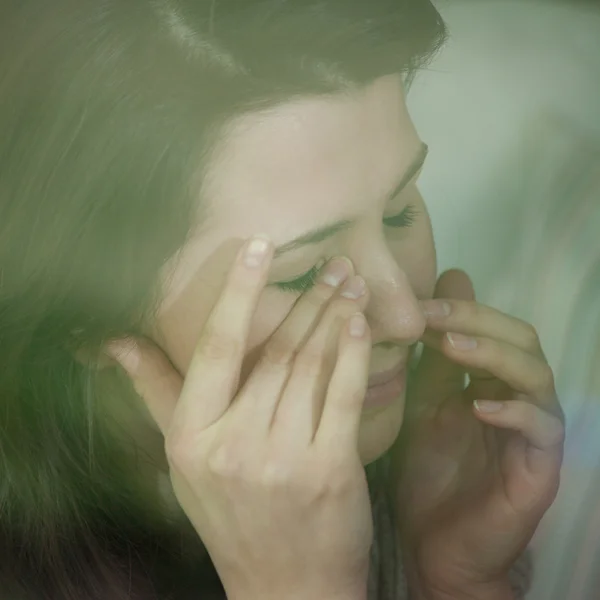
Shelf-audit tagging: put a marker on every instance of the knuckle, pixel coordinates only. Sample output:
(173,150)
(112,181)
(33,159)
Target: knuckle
(276,474)
(340,480)
(314,491)
(469,309)
(324,347)
(309,360)
(219,345)
(545,383)
(557,434)
(560,436)
(531,338)
(527,415)
(178,453)
(240,285)
(553,489)
(466,311)
(560,413)
(354,397)
(492,353)
(337,313)
(345,307)
(319,295)
(280,350)
(224,462)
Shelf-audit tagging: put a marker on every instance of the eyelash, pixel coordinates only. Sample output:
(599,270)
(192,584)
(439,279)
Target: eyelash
(403,220)
(302,283)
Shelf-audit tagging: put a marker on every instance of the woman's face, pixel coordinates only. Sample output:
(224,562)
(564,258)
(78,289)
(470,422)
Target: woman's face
(302,167)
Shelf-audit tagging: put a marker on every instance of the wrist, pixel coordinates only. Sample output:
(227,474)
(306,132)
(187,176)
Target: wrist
(498,590)
(301,595)
(292,592)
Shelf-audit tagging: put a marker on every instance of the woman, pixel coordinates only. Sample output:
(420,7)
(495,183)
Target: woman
(222,450)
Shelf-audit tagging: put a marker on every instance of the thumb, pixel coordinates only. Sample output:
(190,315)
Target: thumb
(154,378)
(456,284)
(436,371)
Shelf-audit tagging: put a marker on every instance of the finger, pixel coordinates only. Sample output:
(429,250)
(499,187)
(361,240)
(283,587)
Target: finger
(214,370)
(274,367)
(435,341)
(153,376)
(299,411)
(520,370)
(438,374)
(340,419)
(543,431)
(474,319)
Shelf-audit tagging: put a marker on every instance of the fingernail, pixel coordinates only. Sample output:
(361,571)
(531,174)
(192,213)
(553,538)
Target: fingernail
(461,342)
(436,308)
(256,251)
(357,325)
(336,271)
(354,288)
(126,352)
(488,406)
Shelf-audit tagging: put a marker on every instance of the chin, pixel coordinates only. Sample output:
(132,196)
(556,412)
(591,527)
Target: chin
(379,430)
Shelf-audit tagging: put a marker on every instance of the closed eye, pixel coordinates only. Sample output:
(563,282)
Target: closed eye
(306,281)
(404,219)
(302,283)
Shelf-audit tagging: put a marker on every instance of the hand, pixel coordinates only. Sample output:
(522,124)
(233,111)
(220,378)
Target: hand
(270,475)
(478,467)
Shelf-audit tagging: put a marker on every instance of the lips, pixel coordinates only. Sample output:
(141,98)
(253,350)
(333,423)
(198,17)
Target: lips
(386,376)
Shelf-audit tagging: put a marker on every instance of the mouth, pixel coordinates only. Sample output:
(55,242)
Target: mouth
(385,387)
(385,376)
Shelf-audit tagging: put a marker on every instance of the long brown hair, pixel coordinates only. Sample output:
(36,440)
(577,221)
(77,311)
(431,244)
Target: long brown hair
(110,112)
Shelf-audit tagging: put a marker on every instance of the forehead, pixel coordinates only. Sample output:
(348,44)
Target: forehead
(325,158)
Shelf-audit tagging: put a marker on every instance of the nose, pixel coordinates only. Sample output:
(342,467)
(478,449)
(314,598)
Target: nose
(393,311)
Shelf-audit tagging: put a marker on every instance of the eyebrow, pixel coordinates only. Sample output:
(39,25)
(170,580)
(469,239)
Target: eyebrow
(315,236)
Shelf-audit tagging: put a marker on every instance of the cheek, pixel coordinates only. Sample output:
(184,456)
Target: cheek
(179,328)
(416,256)
(423,270)
(273,308)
